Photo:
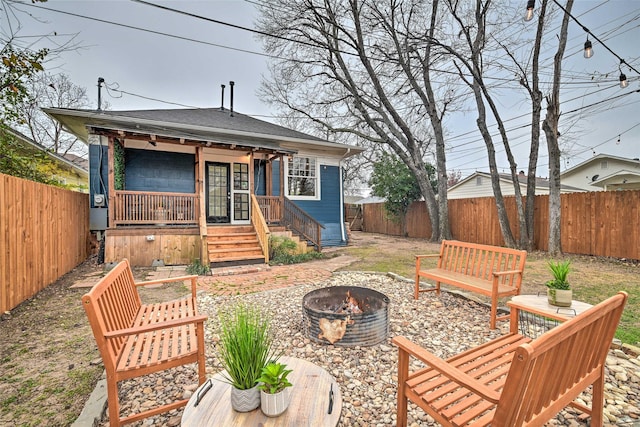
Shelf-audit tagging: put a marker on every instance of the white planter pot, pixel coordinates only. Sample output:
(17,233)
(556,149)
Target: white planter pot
(273,405)
(245,400)
(560,297)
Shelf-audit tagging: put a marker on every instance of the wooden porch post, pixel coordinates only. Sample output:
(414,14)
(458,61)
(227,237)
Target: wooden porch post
(268,178)
(252,177)
(282,160)
(111,181)
(201,211)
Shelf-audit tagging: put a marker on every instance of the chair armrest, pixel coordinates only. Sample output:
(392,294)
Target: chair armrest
(427,256)
(446,369)
(155,326)
(506,272)
(192,278)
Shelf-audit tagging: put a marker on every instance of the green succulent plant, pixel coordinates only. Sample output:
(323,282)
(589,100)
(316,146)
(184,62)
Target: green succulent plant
(274,378)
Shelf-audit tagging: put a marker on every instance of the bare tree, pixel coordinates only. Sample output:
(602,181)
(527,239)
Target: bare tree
(472,20)
(550,127)
(58,91)
(365,69)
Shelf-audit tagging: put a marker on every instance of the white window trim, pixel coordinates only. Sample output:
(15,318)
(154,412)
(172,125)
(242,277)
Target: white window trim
(234,192)
(286,179)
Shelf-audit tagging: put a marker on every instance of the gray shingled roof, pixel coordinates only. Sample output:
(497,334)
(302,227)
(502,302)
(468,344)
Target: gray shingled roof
(213,118)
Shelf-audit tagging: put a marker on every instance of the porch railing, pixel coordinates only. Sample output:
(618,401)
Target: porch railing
(300,222)
(260,225)
(141,207)
(271,208)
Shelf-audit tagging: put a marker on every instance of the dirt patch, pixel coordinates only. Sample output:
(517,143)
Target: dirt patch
(50,362)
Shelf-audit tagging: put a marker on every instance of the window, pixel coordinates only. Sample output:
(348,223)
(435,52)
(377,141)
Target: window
(241,206)
(478,180)
(302,177)
(240,176)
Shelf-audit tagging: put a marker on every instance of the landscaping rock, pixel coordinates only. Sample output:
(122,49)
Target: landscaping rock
(445,325)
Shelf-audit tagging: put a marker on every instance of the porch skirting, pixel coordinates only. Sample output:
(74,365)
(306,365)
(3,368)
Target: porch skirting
(143,245)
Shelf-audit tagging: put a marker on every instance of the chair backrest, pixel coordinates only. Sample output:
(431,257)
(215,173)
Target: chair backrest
(551,371)
(481,261)
(112,304)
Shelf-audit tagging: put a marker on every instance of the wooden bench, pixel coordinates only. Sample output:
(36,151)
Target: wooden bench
(488,270)
(512,380)
(135,339)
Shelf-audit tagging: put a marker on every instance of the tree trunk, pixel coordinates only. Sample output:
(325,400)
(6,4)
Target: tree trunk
(550,127)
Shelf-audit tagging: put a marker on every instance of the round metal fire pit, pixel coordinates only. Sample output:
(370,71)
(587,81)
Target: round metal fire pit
(346,316)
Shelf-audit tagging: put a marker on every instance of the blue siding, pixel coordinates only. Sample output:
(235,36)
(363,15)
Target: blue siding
(159,171)
(259,177)
(275,176)
(327,210)
(98,153)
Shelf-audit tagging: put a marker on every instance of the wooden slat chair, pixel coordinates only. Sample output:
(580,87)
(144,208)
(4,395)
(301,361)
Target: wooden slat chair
(135,339)
(513,381)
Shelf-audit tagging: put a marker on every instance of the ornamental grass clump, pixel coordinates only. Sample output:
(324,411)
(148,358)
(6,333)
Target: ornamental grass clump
(560,271)
(245,346)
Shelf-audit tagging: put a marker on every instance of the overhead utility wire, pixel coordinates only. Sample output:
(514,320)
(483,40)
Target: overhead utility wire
(132,27)
(622,61)
(239,27)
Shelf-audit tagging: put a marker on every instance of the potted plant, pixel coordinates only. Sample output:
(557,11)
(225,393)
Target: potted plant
(558,290)
(275,391)
(244,348)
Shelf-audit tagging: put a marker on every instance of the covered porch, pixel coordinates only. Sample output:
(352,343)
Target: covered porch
(221,220)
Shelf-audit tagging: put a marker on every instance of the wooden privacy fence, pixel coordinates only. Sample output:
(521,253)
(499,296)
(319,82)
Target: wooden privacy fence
(44,233)
(600,223)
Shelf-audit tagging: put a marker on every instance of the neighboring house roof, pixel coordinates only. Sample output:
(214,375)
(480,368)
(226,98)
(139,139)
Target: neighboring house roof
(67,171)
(541,183)
(370,199)
(203,124)
(598,158)
(81,162)
(351,200)
(70,163)
(620,173)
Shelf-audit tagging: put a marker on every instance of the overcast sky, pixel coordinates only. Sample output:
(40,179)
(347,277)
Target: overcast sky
(190,71)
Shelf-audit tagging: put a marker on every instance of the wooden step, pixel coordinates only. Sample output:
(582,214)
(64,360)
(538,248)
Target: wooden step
(231,237)
(234,252)
(230,229)
(233,244)
(224,244)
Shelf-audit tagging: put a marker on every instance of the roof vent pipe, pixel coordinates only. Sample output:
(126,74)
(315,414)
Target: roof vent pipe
(100,81)
(222,102)
(231,83)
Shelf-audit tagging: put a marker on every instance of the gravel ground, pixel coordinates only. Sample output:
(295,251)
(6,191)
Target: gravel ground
(445,325)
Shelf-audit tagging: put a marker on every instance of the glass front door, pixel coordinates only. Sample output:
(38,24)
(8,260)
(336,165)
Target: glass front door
(218,193)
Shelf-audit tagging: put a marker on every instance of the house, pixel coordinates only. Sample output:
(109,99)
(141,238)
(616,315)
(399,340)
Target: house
(604,173)
(177,185)
(68,170)
(478,184)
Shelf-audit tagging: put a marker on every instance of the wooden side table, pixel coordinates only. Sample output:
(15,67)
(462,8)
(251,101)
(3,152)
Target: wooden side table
(533,315)
(309,402)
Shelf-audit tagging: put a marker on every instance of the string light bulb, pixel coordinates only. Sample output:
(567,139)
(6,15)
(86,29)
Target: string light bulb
(588,49)
(531,4)
(623,80)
